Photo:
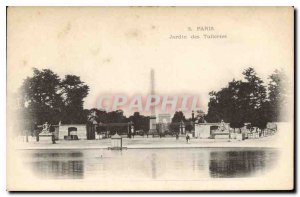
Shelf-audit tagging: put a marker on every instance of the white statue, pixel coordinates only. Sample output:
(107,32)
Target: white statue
(46,128)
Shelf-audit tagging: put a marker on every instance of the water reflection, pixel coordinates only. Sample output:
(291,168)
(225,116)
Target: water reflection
(59,169)
(225,164)
(155,164)
(57,154)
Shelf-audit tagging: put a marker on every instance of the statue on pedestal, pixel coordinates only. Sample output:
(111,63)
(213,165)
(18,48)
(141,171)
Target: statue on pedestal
(46,128)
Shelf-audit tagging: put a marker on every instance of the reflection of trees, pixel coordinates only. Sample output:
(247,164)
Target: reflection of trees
(239,163)
(58,164)
(59,169)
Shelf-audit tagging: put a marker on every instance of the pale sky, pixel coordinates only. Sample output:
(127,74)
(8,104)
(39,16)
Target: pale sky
(113,49)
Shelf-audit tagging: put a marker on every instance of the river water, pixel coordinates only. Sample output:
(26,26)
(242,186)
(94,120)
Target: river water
(151,164)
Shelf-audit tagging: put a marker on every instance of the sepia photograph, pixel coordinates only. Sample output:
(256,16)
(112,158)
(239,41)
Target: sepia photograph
(150,99)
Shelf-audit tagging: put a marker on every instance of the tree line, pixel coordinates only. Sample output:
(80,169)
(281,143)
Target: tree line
(250,100)
(45,97)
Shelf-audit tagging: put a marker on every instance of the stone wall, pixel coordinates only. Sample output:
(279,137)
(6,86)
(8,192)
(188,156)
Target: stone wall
(81,130)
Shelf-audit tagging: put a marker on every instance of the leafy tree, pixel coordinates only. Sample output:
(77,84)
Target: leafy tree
(140,122)
(73,91)
(99,115)
(256,96)
(41,96)
(227,104)
(111,120)
(176,120)
(200,116)
(116,117)
(278,94)
(178,117)
(240,102)
(214,113)
(47,98)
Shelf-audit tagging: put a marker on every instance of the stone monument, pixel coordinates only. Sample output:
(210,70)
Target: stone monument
(152,121)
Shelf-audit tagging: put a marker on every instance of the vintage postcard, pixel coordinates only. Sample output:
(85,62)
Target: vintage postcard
(150,98)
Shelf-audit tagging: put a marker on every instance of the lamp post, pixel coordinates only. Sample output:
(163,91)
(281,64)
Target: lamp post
(193,122)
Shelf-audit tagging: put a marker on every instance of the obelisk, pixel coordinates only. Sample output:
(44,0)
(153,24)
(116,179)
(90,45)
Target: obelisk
(152,121)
